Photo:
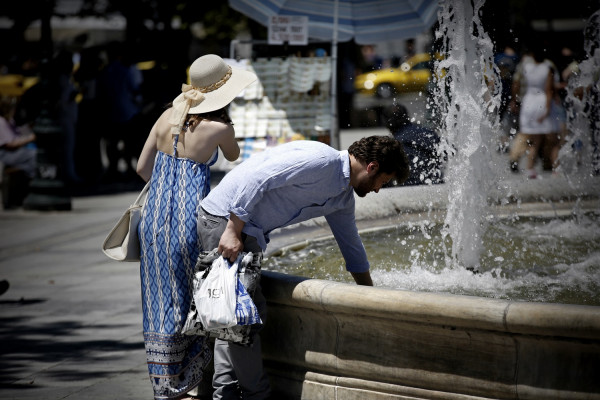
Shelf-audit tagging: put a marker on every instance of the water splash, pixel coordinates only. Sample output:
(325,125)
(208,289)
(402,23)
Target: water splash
(577,151)
(554,260)
(468,94)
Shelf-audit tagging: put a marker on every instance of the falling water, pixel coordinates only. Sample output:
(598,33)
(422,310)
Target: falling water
(468,93)
(577,151)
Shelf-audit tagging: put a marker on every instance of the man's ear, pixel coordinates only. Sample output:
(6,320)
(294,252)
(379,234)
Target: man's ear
(373,166)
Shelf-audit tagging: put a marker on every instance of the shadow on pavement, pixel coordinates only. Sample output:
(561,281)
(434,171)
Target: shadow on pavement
(60,342)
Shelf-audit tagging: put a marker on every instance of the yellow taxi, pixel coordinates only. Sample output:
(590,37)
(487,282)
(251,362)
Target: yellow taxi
(413,75)
(14,85)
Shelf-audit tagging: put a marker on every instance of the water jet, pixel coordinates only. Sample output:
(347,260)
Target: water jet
(334,340)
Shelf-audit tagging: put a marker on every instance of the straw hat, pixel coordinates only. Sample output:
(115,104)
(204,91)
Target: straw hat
(214,84)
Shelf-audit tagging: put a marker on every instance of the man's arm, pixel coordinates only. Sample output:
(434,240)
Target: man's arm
(231,239)
(343,227)
(362,278)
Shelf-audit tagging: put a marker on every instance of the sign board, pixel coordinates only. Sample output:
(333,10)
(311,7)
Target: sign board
(292,29)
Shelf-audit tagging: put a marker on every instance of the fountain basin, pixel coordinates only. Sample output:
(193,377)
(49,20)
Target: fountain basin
(331,340)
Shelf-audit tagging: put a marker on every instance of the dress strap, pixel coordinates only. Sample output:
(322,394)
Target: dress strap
(175,139)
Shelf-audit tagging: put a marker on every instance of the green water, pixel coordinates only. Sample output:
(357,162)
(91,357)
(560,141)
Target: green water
(526,259)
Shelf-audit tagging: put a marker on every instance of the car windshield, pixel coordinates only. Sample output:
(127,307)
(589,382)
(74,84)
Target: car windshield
(422,65)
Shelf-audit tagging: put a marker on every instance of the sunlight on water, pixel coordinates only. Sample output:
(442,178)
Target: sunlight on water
(525,259)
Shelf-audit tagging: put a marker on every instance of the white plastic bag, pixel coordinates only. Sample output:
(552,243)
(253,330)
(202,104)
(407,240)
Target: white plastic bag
(248,277)
(216,299)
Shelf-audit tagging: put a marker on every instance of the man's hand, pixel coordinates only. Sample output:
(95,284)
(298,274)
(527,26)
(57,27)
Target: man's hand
(231,243)
(362,278)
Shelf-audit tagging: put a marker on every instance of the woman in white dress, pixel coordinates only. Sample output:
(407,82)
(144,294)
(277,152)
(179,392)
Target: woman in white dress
(536,84)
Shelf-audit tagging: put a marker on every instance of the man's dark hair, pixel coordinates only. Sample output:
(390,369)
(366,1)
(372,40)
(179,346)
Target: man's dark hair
(386,151)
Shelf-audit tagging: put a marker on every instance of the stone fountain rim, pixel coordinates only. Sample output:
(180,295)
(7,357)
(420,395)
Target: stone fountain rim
(564,320)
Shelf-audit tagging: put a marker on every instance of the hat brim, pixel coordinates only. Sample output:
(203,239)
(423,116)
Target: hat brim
(219,98)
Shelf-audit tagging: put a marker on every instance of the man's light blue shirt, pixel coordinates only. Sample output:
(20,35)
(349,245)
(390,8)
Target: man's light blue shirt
(291,183)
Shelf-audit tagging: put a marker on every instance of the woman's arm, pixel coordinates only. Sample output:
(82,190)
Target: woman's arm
(146,160)
(11,139)
(229,145)
(20,141)
(549,89)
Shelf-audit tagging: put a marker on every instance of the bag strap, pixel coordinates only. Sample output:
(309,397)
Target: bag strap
(142,196)
(175,140)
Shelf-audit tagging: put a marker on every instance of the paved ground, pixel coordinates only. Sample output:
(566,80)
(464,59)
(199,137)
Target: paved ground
(70,323)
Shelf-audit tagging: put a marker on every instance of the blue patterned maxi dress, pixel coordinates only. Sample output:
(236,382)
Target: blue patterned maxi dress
(169,248)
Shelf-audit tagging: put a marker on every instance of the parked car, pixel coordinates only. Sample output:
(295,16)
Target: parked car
(413,75)
(15,85)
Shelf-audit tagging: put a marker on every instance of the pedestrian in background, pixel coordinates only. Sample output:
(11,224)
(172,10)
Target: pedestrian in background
(507,61)
(88,157)
(119,102)
(17,143)
(18,154)
(534,104)
(420,145)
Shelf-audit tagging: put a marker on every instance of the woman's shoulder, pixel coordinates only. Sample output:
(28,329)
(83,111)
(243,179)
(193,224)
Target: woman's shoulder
(214,126)
(162,126)
(165,114)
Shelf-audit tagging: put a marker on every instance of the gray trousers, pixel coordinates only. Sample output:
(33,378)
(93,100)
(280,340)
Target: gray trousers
(239,369)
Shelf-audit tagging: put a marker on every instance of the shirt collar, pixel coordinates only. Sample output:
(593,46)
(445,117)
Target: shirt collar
(345,158)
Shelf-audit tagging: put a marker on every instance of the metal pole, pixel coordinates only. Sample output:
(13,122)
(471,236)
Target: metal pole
(334,131)
(47,191)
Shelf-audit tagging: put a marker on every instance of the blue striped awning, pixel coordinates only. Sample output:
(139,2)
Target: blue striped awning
(367,21)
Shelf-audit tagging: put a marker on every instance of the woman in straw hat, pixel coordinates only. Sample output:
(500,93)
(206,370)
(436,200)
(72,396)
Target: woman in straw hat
(176,157)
